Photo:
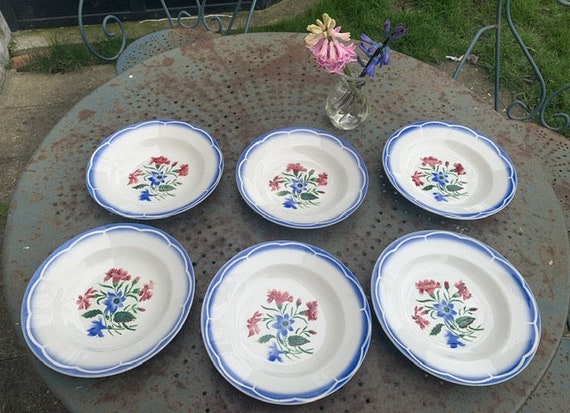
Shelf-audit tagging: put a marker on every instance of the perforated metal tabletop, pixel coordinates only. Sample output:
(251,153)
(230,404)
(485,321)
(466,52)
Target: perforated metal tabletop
(237,88)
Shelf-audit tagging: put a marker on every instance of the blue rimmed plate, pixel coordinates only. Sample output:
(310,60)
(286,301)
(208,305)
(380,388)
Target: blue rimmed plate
(455,307)
(108,300)
(450,170)
(286,322)
(154,169)
(302,178)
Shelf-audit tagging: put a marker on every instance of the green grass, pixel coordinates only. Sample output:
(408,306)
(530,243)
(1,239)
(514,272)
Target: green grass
(60,57)
(437,28)
(446,27)
(3,212)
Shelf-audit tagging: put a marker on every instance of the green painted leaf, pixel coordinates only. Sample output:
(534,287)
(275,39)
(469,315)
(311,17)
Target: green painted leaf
(123,317)
(454,188)
(91,313)
(297,341)
(428,188)
(166,188)
(307,196)
(464,321)
(139,186)
(436,330)
(282,193)
(265,338)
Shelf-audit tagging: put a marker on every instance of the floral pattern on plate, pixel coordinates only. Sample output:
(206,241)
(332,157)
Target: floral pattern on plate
(444,179)
(300,187)
(287,325)
(158,179)
(448,309)
(118,300)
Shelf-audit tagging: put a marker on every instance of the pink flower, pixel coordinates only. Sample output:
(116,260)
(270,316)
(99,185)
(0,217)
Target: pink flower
(333,55)
(428,286)
(322,180)
(459,169)
(134,177)
(83,302)
(311,311)
(416,178)
(183,171)
(274,183)
(296,168)
(146,292)
(279,297)
(117,274)
(159,160)
(252,322)
(417,317)
(431,161)
(462,290)
(325,43)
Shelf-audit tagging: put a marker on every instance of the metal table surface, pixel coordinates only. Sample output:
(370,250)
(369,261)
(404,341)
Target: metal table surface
(236,88)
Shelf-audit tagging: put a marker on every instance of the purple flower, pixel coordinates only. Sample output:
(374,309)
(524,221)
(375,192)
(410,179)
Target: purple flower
(399,31)
(378,53)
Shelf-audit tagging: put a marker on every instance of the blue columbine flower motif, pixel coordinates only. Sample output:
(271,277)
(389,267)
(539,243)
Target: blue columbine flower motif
(283,324)
(440,178)
(445,310)
(96,329)
(157,178)
(439,197)
(290,203)
(453,340)
(114,301)
(145,195)
(274,353)
(298,186)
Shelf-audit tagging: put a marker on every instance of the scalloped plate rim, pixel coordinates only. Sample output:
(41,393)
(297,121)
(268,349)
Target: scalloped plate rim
(116,209)
(284,398)
(321,134)
(508,197)
(464,241)
(123,366)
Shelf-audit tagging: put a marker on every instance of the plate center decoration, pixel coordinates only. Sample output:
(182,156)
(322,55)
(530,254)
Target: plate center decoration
(446,310)
(444,179)
(285,326)
(113,306)
(300,186)
(158,179)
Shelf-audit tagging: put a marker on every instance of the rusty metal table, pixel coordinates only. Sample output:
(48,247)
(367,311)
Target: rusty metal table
(236,88)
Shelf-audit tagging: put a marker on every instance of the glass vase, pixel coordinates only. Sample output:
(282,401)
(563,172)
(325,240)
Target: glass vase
(347,105)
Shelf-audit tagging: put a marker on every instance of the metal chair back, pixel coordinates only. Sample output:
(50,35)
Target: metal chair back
(517,106)
(177,34)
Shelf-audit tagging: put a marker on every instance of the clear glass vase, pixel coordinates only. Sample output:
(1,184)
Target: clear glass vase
(347,105)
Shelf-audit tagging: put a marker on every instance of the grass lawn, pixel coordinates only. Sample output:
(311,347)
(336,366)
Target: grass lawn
(439,28)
